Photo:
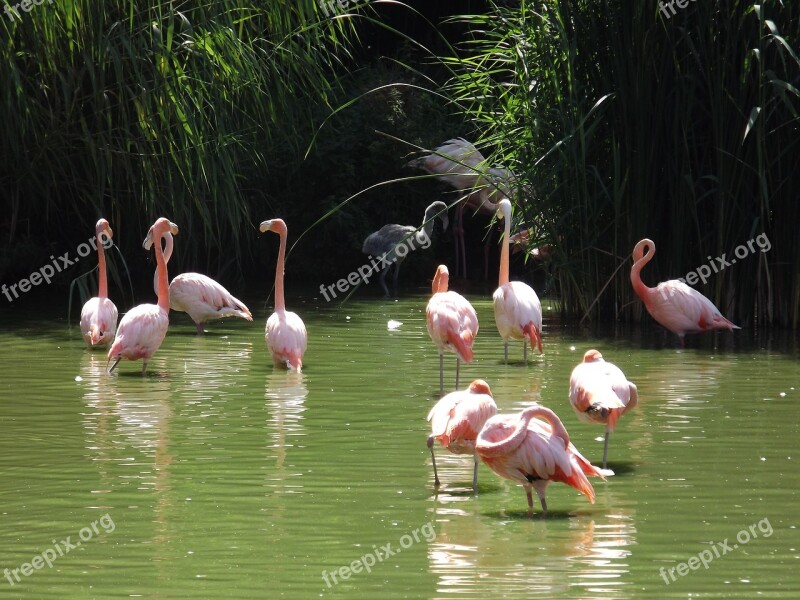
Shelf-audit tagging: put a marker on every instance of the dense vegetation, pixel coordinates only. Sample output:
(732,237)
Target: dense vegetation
(622,120)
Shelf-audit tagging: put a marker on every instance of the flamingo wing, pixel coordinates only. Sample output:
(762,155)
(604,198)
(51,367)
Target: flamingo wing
(202,299)
(140,333)
(452,323)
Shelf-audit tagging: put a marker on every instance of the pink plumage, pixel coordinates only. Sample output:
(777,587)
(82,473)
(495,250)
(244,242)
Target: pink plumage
(672,303)
(143,328)
(533,452)
(600,393)
(285,333)
(517,310)
(99,314)
(457,418)
(452,322)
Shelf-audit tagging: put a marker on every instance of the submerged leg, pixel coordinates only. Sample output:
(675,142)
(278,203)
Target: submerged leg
(200,330)
(505,352)
(433,459)
(475,475)
(144,367)
(605,450)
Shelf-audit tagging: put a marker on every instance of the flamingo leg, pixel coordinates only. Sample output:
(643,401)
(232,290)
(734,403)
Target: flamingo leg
(144,367)
(530,498)
(459,239)
(433,459)
(200,330)
(463,254)
(441,372)
(505,352)
(475,475)
(525,351)
(456,229)
(605,450)
(458,364)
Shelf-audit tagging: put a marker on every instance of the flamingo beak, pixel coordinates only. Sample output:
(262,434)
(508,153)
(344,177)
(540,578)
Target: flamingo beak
(173,229)
(94,334)
(148,241)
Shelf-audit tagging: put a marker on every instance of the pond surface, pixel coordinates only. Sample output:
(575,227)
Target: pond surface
(216,476)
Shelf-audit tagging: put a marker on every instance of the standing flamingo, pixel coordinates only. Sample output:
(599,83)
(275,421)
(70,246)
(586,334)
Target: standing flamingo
(202,298)
(517,310)
(143,327)
(533,452)
(600,393)
(452,323)
(464,168)
(99,314)
(456,420)
(285,334)
(672,303)
(391,242)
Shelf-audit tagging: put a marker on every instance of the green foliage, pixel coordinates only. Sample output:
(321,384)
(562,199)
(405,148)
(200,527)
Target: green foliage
(631,124)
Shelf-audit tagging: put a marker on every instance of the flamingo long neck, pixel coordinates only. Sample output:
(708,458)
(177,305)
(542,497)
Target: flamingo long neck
(512,442)
(161,274)
(102,287)
(280,304)
(440,281)
(169,243)
(636,273)
(504,251)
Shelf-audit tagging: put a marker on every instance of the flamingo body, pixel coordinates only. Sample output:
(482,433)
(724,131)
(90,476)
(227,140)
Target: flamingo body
(600,393)
(99,314)
(452,321)
(143,328)
(673,304)
(534,452)
(457,418)
(285,333)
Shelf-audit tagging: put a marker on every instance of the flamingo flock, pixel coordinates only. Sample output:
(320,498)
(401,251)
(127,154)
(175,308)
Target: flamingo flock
(531,448)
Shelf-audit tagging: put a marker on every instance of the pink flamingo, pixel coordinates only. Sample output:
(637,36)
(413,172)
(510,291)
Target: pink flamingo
(672,303)
(202,298)
(286,334)
(517,310)
(452,323)
(456,420)
(533,452)
(99,314)
(463,167)
(143,328)
(600,393)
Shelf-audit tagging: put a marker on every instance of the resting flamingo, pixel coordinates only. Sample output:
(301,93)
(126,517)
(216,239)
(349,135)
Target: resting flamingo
(600,393)
(143,327)
(391,243)
(456,420)
(452,323)
(464,168)
(672,303)
(517,310)
(285,333)
(535,452)
(202,298)
(99,314)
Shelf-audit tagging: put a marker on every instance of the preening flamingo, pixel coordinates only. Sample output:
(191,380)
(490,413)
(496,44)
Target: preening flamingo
(391,243)
(535,452)
(672,303)
(202,298)
(600,393)
(452,323)
(99,314)
(464,168)
(457,419)
(517,310)
(286,333)
(143,327)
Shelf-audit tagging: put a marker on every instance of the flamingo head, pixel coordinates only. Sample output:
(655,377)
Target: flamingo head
(98,334)
(592,356)
(441,279)
(479,386)
(504,209)
(276,225)
(161,227)
(103,228)
(644,247)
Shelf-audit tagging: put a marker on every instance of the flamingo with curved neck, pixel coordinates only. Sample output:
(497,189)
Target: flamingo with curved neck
(517,310)
(675,305)
(202,298)
(452,323)
(99,314)
(285,334)
(143,328)
(533,448)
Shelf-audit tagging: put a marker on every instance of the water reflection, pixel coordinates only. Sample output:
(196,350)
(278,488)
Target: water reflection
(285,394)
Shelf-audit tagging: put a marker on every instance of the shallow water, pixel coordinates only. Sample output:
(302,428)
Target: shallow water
(216,476)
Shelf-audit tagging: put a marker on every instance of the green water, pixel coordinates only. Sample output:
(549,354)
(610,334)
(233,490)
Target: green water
(216,476)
